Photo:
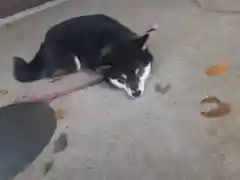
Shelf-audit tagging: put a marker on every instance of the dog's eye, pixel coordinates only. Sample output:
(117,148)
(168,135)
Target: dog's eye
(137,71)
(124,76)
(121,81)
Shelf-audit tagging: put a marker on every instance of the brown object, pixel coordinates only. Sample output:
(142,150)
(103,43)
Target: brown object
(47,166)
(48,98)
(3,92)
(162,90)
(60,114)
(222,108)
(217,70)
(60,144)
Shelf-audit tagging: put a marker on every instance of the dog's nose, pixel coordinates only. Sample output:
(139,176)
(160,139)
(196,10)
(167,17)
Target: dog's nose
(136,93)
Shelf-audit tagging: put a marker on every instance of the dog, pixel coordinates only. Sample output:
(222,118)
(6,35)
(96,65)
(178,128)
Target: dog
(96,42)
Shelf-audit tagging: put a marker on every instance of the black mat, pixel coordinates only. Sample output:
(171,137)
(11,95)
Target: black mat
(25,129)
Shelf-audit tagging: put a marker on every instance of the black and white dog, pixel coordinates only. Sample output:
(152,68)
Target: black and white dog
(96,42)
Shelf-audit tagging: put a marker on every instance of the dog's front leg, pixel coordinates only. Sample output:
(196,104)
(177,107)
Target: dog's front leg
(57,76)
(103,69)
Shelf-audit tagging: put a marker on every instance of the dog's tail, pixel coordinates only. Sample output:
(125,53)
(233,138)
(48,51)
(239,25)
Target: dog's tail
(27,72)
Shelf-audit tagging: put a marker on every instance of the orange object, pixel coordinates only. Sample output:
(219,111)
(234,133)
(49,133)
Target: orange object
(217,70)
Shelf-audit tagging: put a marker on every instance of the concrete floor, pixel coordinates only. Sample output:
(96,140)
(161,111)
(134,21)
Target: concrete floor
(8,8)
(156,137)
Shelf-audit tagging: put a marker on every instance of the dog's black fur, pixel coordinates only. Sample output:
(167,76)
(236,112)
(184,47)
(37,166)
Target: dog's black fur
(96,40)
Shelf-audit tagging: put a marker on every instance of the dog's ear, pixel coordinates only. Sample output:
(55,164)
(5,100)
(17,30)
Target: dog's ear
(141,41)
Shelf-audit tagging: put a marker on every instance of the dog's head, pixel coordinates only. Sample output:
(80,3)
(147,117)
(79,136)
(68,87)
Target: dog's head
(131,80)
(132,66)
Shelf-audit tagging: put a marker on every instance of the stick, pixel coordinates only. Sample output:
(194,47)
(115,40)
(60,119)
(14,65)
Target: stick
(48,98)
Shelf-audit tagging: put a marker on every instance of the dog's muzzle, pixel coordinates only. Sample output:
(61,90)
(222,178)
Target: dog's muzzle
(134,89)
(136,92)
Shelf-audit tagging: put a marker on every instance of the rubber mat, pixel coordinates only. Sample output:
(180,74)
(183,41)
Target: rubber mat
(25,130)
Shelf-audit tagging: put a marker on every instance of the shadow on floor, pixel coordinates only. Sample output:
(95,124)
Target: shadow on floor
(25,129)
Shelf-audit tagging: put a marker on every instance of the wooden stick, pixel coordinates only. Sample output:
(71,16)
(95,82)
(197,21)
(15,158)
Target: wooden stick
(48,98)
